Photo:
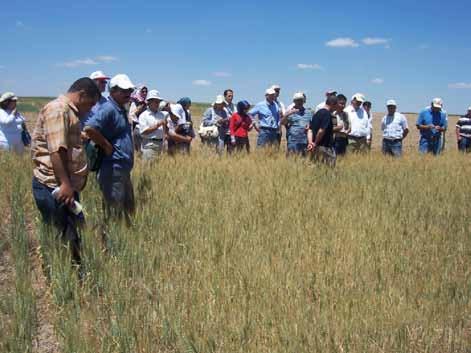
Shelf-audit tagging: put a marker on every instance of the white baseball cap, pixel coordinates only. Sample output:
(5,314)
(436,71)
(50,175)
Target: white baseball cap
(299,95)
(437,103)
(276,87)
(270,91)
(391,102)
(162,104)
(153,94)
(98,75)
(122,81)
(469,108)
(8,95)
(359,97)
(219,100)
(330,91)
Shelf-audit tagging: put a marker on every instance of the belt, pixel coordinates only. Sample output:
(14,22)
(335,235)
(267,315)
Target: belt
(155,140)
(392,140)
(269,128)
(357,138)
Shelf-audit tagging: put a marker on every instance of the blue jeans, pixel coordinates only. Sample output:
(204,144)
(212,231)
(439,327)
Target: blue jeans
(58,215)
(430,145)
(464,145)
(340,145)
(296,148)
(117,190)
(392,147)
(268,137)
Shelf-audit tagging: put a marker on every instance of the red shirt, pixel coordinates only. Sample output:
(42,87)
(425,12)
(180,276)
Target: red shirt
(239,125)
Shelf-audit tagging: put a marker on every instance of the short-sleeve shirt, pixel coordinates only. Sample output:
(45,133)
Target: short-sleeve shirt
(323,120)
(268,114)
(58,126)
(429,117)
(149,119)
(113,123)
(296,126)
(393,126)
(95,109)
(464,126)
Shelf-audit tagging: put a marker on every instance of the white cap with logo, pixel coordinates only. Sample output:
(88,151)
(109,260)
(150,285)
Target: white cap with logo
(437,103)
(98,75)
(299,95)
(122,81)
(359,97)
(8,96)
(391,102)
(270,91)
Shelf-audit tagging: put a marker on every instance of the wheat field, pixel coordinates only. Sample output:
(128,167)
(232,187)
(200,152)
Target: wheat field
(258,253)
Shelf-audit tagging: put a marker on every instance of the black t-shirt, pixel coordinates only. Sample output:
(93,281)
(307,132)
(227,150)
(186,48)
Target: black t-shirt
(323,120)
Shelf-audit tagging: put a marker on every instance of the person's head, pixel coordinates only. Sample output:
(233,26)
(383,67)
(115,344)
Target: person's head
(84,94)
(299,99)
(270,95)
(153,100)
(469,112)
(341,102)
(331,103)
(277,90)
(392,106)
(243,107)
(144,91)
(121,89)
(357,100)
(437,105)
(219,103)
(8,101)
(330,92)
(100,80)
(229,95)
(185,102)
(367,106)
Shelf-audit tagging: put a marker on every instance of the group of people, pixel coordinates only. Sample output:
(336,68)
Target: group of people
(83,120)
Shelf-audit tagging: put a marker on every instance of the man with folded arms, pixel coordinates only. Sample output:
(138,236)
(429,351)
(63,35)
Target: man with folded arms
(110,129)
(360,129)
(432,122)
(60,162)
(267,115)
(395,128)
(320,135)
(151,126)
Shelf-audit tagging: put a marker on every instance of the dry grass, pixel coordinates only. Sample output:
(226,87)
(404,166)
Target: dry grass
(261,253)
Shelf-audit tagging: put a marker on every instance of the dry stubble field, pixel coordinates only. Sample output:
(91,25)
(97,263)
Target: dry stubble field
(252,253)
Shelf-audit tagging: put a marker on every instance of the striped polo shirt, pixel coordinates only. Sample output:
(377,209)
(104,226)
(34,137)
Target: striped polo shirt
(464,126)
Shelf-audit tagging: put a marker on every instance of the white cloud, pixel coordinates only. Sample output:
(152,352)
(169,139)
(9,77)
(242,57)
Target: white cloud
(310,67)
(78,62)
(106,58)
(375,41)
(460,85)
(342,43)
(222,74)
(377,81)
(20,24)
(202,83)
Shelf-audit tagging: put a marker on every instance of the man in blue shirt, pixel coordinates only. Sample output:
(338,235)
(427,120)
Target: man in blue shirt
(268,113)
(297,120)
(110,129)
(432,123)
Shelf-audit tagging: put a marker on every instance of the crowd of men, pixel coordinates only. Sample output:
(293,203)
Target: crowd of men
(130,120)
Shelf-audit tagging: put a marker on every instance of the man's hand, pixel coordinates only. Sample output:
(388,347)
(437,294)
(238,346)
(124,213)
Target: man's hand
(438,128)
(292,111)
(108,149)
(311,146)
(66,194)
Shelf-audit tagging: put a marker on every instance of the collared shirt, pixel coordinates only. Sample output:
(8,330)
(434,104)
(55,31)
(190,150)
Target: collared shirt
(393,126)
(220,118)
(113,123)
(343,121)
(94,110)
(58,126)
(429,117)
(297,123)
(323,120)
(11,126)
(464,126)
(149,119)
(360,122)
(268,114)
(231,108)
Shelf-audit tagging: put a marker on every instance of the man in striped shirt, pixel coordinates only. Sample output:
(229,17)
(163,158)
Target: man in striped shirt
(463,132)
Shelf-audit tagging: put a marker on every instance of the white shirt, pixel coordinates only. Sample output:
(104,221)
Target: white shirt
(393,126)
(360,122)
(149,119)
(282,106)
(11,126)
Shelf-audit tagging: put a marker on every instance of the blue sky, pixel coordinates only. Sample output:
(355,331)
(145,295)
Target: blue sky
(408,50)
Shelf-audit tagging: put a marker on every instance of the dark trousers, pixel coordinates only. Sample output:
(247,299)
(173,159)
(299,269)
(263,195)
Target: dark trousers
(340,145)
(464,145)
(58,215)
(241,144)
